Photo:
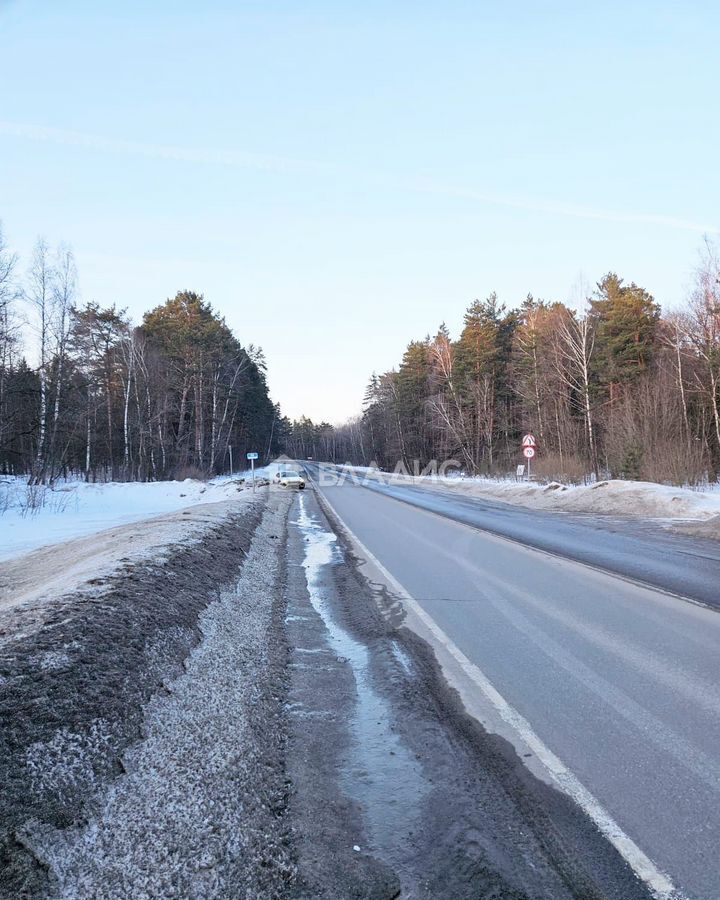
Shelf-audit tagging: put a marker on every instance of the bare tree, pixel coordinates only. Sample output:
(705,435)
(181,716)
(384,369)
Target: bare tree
(577,343)
(63,298)
(39,294)
(444,402)
(675,339)
(703,332)
(8,295)
(8,327)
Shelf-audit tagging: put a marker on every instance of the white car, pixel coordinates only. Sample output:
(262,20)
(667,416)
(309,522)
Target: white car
(291,479)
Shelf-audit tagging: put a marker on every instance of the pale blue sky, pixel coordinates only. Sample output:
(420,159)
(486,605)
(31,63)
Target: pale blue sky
(340,177)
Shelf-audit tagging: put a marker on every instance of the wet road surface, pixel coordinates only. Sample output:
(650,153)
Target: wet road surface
(620,681)
(396,793)
(683,565)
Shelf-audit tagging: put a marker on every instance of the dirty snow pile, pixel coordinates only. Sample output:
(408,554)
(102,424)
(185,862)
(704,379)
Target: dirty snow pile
(612,497)
(35,516)
(198,813)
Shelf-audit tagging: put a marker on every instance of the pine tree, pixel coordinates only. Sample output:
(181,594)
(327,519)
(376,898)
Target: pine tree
(627,320)
(412,391)
(481,359)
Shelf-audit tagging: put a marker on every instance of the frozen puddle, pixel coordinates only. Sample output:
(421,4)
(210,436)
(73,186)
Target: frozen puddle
(381,774)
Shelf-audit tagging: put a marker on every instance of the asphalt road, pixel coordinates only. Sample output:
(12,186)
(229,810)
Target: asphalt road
(620,681)
(674,562)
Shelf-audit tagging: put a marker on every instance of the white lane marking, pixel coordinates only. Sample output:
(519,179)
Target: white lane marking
(704,767)
(594,567)
(657,881)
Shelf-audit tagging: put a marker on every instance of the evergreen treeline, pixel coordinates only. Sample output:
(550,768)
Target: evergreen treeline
(110,400)
(617,389)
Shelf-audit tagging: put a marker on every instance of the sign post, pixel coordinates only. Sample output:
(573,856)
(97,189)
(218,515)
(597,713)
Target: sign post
(252,457)
(528,443)
(231,465)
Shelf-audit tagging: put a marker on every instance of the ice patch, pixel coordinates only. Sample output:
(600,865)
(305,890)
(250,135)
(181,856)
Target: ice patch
(402,657)
(381,776)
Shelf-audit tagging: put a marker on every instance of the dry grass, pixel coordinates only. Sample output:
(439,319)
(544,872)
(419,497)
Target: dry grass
(567,469)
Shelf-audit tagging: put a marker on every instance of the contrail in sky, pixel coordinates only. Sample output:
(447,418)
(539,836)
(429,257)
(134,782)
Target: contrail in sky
(272,163)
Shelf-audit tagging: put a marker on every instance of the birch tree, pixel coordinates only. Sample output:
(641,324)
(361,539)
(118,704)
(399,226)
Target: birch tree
(577,343)
(8,329)
(703,332)
(64,289)
(39,294)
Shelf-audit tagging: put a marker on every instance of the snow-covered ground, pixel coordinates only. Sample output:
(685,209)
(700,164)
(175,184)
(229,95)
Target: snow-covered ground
(36,517)
(613,497)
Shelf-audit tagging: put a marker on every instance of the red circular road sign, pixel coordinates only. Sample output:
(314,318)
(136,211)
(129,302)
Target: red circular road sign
(529,452)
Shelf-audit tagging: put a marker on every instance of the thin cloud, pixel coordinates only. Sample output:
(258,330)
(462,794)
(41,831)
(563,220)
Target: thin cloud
(153,151)
(288,164)
(568,209)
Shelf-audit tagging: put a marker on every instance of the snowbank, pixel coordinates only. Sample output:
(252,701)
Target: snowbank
(36,517)
(633,498)
(626,498)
